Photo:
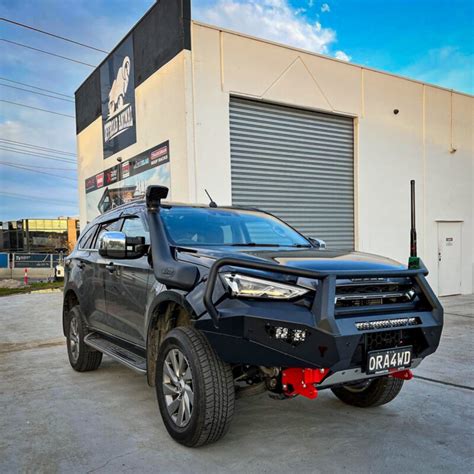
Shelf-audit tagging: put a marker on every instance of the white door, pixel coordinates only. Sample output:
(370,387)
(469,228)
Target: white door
(449,258)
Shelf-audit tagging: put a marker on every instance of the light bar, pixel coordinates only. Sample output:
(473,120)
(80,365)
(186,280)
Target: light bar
(387,323)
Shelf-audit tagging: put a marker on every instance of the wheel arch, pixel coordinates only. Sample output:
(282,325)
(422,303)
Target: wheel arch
(169,310)
(70,300)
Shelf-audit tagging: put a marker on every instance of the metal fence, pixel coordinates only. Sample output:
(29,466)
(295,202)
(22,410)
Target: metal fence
(29,260)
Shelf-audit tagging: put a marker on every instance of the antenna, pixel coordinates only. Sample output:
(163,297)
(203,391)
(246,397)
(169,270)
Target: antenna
(211,202)
(414,260)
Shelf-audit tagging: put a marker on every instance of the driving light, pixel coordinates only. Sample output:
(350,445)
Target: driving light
(282,333)
(249,287)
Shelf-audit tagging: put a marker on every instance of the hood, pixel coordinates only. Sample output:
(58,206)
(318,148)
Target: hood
(307,259)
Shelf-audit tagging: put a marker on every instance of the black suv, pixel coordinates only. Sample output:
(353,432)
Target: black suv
(214,303)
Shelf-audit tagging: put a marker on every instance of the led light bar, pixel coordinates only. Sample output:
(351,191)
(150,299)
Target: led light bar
(387,323)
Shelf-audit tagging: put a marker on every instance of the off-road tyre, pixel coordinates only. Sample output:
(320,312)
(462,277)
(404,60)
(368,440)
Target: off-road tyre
(377,392)
(86,358)
(212,386)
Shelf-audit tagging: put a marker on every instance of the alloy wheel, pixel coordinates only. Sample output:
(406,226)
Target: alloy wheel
(178,387)
(74,339)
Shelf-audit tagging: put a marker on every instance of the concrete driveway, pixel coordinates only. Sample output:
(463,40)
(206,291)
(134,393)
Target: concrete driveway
(56,420)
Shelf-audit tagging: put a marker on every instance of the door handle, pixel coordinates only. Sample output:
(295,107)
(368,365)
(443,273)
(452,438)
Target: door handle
(81,265)
(110,267)
(439,256)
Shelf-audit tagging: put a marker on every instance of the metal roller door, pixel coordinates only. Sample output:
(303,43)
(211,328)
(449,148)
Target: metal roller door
(296,164)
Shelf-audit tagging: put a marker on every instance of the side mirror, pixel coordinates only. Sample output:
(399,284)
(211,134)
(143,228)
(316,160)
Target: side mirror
(318,243)
(118,245)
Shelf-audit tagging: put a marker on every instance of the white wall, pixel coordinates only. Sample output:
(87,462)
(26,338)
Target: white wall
(390,149)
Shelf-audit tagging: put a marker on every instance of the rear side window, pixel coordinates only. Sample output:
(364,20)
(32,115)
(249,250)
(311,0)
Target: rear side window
(85,241)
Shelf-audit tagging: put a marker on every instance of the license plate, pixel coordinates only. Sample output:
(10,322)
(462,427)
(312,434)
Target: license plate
(387,359)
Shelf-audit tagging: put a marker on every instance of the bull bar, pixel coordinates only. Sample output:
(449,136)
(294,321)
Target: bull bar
(324,302)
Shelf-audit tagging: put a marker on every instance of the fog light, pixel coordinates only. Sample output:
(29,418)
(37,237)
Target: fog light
(298,335)
(281,332)
(291,336)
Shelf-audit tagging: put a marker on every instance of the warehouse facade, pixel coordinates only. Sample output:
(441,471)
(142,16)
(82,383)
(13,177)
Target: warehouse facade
(328,146)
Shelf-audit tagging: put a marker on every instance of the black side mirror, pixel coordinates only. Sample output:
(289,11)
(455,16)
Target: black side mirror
(118,245)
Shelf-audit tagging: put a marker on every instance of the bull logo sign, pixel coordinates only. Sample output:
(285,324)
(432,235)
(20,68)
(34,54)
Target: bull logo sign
(119,89)
(118,99)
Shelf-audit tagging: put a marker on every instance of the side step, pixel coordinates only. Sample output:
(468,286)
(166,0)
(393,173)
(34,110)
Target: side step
(121,354)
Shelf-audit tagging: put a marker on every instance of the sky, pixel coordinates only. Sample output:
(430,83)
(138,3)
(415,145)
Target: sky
(428,40)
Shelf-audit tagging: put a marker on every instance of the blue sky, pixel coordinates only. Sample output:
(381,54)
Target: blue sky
(429,40)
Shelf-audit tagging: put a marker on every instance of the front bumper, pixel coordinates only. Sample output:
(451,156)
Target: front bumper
(242,331)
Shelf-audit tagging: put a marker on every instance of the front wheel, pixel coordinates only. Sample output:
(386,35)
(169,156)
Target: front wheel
(370,393)
(194,388)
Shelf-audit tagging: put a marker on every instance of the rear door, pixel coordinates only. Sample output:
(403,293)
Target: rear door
(126,285)
(84,272)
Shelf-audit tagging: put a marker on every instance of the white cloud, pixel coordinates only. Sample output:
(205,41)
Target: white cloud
(447,67)
(325,8)
(342,56)
(274,20)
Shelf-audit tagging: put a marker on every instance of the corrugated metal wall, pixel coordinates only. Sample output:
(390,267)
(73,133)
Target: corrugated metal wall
(297,164)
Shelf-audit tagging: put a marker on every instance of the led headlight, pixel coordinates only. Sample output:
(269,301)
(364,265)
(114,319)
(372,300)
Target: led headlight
(250,287)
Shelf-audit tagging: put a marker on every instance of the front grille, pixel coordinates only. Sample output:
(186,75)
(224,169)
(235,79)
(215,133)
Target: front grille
(383,340)
(369,293)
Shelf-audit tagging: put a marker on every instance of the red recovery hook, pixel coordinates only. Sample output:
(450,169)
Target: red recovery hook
(405,374)
(298,381)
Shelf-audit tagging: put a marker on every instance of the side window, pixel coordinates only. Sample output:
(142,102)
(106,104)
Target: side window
(105,227)
(134,227)
(85,241)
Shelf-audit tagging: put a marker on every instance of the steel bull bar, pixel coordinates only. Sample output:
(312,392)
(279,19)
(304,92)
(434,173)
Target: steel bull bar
(324,302)
(304,381)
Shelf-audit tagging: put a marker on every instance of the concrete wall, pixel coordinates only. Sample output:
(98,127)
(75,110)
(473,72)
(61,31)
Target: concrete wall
(160,115)
(391,149)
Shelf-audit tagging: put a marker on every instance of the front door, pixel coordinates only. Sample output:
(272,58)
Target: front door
(126,286)
(449,258)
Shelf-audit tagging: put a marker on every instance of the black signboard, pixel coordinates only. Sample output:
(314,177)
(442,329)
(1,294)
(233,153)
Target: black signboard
(117,88)
(144,161)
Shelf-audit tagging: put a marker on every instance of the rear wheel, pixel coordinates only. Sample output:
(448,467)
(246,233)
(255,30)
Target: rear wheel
(370,393)
(81,357)
(194,388)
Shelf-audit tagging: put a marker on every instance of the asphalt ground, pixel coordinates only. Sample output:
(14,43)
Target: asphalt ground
(56,420)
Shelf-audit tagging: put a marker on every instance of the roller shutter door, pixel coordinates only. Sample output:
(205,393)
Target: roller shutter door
(296,164)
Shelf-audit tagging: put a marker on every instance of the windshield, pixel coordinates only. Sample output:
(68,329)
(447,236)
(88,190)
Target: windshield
(202,226)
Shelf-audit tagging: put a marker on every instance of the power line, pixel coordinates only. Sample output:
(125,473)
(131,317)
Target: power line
(35,108)
(35,198)
(36,171)
(34,87)
(47,52)
(53,35)
(39,93)
(30,145)
(38,155)
(40,167)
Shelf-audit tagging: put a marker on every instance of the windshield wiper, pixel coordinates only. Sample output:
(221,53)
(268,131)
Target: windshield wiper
(301,246)
(253,244)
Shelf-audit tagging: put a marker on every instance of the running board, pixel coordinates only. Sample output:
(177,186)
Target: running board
(119,353)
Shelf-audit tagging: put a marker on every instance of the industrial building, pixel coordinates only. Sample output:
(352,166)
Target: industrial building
(38,235)
(328,146)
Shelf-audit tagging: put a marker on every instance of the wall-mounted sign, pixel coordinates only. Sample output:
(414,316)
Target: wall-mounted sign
(128,180)
(117,86)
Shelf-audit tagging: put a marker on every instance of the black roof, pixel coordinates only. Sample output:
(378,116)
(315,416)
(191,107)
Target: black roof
(119,210)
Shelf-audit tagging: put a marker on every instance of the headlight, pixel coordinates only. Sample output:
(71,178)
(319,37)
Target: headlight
(246,286)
